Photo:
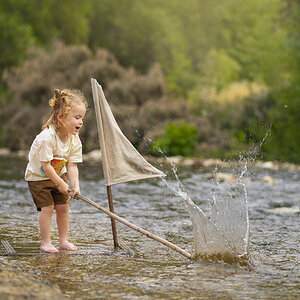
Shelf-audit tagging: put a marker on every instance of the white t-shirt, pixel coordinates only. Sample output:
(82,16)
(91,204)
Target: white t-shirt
(47,146)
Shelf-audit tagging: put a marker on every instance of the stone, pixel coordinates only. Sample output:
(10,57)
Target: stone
(223,177)
(93,155)
(269,179)
(4,152)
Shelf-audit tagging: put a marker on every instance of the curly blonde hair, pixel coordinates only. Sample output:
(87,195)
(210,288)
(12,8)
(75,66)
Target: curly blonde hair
(61,103)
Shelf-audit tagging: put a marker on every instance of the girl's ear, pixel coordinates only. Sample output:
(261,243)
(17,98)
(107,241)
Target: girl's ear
(59,117)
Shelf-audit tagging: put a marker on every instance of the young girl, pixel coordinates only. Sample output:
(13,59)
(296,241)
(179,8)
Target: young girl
(54,153)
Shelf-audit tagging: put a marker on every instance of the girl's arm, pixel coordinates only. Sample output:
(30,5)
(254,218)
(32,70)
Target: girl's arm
(73,176)
(59,182)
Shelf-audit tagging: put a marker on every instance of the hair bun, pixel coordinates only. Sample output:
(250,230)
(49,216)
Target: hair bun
(56,99)
(57,93)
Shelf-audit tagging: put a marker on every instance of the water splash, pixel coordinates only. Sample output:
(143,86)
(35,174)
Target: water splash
(225,235)
(229,214)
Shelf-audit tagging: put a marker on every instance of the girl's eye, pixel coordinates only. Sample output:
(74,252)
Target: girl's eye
(78,118)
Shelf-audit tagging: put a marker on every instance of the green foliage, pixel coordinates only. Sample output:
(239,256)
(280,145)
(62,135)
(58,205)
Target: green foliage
(180,139)
(252,35)
(284,142)
(52,19)
(146,32)
(15,37)
(220,69)
(23,23)
(195,42)
(126,29)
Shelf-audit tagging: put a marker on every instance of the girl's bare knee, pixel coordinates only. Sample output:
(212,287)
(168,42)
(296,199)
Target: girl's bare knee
(62,208)
(47,209)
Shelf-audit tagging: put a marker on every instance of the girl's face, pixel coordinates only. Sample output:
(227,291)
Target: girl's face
(74,119)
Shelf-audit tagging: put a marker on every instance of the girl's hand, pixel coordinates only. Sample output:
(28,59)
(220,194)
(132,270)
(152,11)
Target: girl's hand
(75,192)
(73,177)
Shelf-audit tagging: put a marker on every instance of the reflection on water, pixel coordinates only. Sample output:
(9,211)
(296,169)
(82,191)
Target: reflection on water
(153,270)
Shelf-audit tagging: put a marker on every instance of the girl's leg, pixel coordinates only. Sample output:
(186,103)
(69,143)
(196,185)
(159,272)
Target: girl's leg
(45,222)
(62,219)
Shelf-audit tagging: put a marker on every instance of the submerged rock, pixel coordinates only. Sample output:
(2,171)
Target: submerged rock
(269,179)
(284,207)
(223,177)
(176,160)
(276,204)
(268,165)
(187,226)
(285,210)
(213,163)
(228,178)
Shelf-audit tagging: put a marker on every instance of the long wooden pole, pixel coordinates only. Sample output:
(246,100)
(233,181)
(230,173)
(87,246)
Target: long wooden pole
(113,222)
(138,229)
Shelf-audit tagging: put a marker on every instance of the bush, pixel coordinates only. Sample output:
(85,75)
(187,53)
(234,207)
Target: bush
(180,139)
(32,84)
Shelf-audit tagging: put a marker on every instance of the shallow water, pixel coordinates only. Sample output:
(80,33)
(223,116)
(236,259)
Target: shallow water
(148,269)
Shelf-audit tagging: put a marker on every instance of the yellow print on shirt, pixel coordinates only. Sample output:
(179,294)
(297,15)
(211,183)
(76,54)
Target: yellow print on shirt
(58,164)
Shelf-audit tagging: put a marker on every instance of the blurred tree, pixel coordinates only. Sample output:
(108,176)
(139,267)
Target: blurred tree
(126,29)
(141,34)
(23,22)
(219,70)
(284,142)
(15,37)
(243,39)
(181,36)
(252,34)
(50,19)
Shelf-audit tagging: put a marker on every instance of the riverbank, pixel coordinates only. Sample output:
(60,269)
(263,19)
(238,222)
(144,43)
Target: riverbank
(17,284)
(194,163)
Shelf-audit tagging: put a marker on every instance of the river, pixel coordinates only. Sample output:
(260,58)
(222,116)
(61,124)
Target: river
(144,268)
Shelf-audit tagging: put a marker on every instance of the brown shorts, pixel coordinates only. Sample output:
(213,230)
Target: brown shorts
(45,193)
